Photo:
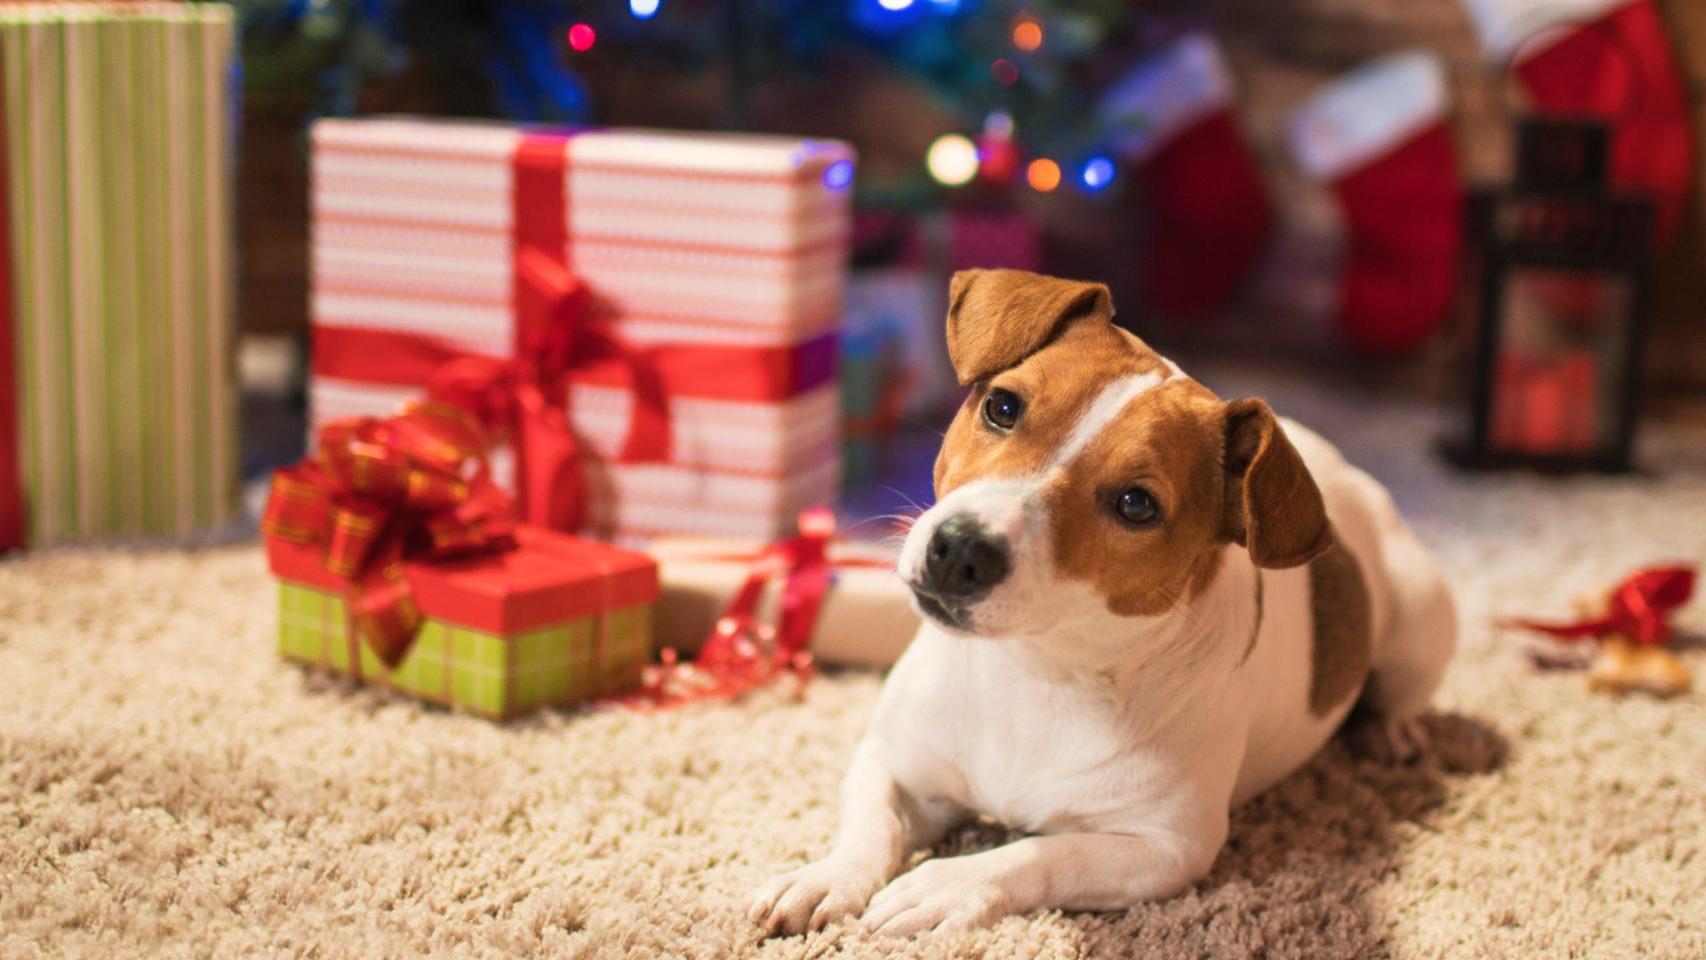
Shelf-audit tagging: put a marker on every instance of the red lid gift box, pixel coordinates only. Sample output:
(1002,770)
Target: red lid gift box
(498,619)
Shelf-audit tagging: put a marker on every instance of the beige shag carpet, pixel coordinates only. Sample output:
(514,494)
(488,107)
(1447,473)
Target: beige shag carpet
(168,787)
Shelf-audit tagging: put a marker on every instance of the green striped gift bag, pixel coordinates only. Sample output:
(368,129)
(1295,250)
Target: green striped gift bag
(118,407)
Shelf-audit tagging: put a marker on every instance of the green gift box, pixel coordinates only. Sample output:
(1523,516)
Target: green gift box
(555,621)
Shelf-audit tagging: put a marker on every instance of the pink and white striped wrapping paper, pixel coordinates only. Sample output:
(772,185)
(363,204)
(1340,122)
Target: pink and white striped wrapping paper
(729,240)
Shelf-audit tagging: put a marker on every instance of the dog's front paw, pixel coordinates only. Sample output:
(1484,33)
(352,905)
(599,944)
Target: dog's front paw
(950,895)
(812,897)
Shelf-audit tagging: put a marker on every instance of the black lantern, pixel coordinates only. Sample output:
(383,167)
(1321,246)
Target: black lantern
(1556,298)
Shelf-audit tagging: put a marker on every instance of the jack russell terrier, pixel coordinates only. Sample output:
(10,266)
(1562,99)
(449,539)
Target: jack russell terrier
(1143,606)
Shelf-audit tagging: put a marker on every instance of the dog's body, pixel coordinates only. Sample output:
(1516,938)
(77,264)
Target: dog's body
(1145,606)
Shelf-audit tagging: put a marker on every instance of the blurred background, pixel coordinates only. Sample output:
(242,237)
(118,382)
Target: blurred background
(1040,135)
(1277,191)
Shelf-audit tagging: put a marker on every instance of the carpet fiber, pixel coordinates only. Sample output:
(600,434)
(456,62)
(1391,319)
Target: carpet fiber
(168,787)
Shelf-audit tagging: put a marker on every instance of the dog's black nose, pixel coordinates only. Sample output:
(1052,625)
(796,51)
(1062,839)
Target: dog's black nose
(964,561)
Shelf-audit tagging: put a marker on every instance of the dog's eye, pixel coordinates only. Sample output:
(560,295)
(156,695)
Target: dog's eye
(1002,408)
(1138,507)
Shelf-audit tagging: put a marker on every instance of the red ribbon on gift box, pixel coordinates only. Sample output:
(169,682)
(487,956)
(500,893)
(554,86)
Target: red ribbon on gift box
(382,491)
(1639,608)
(743,653)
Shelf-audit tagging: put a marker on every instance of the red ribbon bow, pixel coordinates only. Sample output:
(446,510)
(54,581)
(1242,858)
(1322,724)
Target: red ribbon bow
(742,653)
(382,491)
(526,396)
(1639,608)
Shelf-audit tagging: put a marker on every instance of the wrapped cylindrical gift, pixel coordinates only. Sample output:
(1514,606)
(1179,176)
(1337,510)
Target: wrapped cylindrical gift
(866,617)
(118,403)
(689,281)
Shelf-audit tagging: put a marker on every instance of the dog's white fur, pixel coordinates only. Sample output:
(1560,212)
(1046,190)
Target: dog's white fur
(1121,743)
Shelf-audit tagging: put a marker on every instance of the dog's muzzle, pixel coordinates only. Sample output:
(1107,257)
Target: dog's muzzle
(962,564)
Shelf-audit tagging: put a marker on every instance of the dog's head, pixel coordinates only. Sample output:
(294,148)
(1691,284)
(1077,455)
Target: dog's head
(1086,475)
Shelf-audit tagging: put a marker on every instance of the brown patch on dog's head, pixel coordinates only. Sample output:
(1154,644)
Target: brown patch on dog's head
(998,317)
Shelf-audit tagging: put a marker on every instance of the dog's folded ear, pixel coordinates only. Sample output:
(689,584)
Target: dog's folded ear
(997,318)
(1272,506)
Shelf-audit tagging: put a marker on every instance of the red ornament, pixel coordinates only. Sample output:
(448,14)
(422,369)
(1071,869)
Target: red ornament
(997,159)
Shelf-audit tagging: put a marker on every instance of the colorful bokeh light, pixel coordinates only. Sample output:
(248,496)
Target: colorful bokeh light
(1096,174)
(581,37)
(1043,174)
(952,160)
(1027,34)
(838,175)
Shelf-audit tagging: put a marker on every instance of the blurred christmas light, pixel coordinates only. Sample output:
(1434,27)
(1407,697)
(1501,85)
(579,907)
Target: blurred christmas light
(1027,34)
(1097,173)
(838,175)
(951,160)
(1043,175)
(1005,71)
(644,9)
(946,6)
(896,5)
(581,37)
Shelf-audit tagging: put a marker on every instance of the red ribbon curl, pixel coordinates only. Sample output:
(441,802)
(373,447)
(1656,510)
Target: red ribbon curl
(379,492)
(741,652)
(1639,608)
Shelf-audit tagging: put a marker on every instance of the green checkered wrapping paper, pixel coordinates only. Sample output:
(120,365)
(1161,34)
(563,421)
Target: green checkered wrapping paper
(498,677)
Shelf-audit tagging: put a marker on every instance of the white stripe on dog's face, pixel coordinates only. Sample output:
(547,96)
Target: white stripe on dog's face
(1013,507)
(1107,406)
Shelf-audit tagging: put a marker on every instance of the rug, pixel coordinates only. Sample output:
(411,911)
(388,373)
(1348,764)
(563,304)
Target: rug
(169,787)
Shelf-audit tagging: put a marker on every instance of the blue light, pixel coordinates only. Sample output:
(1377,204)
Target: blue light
(644,9)
(1097,173)
(895,5)
(838,175)
(946,6)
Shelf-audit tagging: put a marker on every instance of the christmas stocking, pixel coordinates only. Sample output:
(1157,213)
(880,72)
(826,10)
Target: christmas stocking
(1378,136)
(1209,214)
(1606,58)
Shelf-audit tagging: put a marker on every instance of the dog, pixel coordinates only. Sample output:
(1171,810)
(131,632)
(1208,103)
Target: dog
(1142,606)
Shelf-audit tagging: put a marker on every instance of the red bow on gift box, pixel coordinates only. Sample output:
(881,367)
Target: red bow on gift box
(743,653)
(524,397)
(1639,608)
(379,491)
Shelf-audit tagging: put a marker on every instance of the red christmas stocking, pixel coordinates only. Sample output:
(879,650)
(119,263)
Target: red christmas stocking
(1378,135)
(1209,214)
(1611,59)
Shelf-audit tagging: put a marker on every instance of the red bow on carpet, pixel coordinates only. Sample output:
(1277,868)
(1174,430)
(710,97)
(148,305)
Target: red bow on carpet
(742,653)
(1639,608)
(380,491)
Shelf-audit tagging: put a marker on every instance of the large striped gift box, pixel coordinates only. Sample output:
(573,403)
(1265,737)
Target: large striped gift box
(117,383)
(717,260)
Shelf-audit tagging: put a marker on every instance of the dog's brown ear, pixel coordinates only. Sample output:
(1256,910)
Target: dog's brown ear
(997,318)
(1272,504)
